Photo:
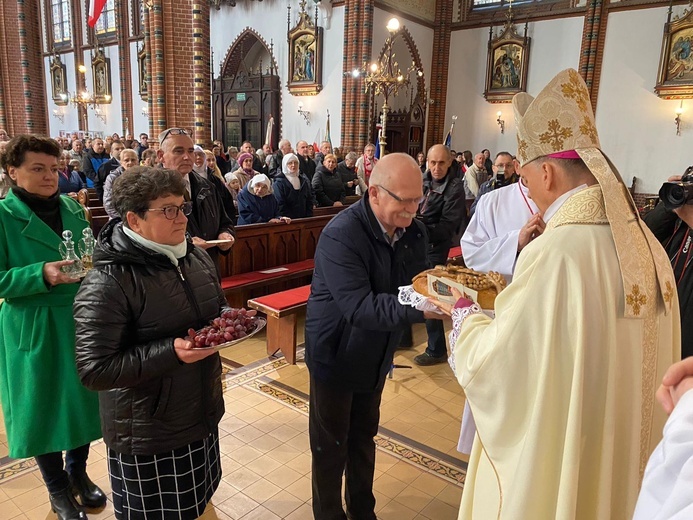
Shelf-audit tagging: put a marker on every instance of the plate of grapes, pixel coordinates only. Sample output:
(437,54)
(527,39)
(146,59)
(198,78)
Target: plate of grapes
(233,326)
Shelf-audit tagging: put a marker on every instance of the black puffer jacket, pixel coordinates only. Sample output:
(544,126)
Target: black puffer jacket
(128,312)
(208,217)
(328,187)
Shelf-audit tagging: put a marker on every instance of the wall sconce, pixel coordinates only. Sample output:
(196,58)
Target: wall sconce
(59,115)
(145,111)
(677,120)
(501,122)
(99,113)
(304,113)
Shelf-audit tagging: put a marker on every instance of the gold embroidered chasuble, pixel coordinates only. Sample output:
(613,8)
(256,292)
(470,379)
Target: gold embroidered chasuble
(561,383)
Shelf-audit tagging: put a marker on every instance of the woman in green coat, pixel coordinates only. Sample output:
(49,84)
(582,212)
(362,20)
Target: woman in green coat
(45,407)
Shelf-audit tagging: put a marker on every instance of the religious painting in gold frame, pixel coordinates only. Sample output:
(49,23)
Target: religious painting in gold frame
(58,81)
(305,55)
(142,72)
(675,75)
(101,76)
(506,65)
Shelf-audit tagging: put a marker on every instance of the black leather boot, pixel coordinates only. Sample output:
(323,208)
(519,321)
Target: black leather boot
(65,506)
(90,495)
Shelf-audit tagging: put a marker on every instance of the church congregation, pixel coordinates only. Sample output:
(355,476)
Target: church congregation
(295,175)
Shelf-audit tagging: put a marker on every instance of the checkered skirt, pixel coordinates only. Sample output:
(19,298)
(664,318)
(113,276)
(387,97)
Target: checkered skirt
(168,486)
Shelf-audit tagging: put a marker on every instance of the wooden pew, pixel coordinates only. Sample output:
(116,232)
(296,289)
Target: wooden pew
(262,247)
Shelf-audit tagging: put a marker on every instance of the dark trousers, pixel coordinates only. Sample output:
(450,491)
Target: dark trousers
(55,474)
(342,425)
(436,338)
(437,255)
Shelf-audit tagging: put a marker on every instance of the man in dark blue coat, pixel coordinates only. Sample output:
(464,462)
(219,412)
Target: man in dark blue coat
(353,326)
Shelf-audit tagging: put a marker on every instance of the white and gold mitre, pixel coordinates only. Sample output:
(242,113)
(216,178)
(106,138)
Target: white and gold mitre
(560,118)
(559,122)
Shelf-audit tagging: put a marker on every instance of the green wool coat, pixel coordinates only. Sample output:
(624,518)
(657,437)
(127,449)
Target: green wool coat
(45,407)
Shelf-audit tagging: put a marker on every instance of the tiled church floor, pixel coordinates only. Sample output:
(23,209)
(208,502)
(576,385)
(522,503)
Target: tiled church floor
(265,452)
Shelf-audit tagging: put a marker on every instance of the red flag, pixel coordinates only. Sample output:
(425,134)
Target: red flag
(95,8)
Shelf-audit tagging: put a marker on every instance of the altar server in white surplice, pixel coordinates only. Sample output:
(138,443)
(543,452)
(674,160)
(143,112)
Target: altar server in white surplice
(666,488)
(504,222)
(562,381)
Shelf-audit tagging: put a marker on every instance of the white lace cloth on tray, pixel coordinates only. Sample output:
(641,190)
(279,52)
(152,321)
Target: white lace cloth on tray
(408,296)
(468,429)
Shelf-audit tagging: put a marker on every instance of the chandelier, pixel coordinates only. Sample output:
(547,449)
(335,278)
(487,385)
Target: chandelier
(385,78)
(85,99)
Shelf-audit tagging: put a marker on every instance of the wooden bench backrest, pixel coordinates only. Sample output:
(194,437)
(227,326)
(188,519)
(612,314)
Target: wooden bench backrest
(263,246)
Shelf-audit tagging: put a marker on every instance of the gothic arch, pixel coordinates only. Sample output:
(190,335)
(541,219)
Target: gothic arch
(240,48)
(247,92)
(407,120)
(414,53)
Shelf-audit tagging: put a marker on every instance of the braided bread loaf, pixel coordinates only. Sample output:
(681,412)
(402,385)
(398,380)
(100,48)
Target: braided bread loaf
(487,285)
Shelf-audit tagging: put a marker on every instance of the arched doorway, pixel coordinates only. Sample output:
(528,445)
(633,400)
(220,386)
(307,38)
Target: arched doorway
(407,117)
(246,93)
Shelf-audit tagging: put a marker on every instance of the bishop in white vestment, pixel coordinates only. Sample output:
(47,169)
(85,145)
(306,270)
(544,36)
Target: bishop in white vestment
(561,383)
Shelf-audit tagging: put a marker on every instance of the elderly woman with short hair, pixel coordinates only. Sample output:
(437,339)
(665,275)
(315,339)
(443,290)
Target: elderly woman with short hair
(161,400)
(350,178)
(128,159)
(69,181)
(327,183)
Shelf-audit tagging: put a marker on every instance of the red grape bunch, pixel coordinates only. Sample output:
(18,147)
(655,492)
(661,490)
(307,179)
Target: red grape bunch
(231,325)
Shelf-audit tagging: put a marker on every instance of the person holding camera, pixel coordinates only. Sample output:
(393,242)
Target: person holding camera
(671,222)
(504,170)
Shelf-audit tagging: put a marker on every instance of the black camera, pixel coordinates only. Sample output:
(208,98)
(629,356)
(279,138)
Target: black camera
(676,194)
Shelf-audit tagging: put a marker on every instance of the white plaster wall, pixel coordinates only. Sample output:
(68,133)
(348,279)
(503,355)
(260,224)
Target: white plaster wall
(69,112)
(139,123)
(114,121)
(555,46)
(635,126)
(269,20)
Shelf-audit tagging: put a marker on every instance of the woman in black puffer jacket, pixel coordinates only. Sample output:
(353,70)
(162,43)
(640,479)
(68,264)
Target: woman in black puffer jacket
(327,183)
(160,400)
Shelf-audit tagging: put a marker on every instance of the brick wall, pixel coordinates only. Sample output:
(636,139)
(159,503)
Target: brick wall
(177,36)
(439,73)
(592,47)
(358,41)
(22,85)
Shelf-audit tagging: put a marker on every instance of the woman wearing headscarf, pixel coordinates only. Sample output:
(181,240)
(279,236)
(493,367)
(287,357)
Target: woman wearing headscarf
(245,172)
(257,204)
(292,190)
(327,183)
(46,409)
(161,401)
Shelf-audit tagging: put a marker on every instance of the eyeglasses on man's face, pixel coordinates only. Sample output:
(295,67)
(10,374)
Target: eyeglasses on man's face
(172,131)
(171,212)
(415,200)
